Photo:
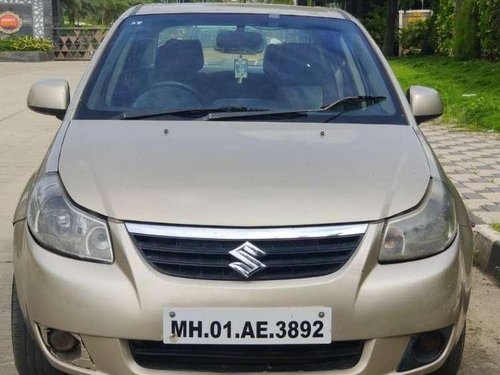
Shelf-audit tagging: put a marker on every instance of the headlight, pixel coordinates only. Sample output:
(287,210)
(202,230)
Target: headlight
(426,231)
(58,225)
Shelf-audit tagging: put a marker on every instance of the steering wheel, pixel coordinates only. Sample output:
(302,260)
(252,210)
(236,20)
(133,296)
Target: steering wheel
(168,94)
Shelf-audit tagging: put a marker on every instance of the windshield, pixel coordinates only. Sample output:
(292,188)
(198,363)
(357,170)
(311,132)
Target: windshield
(263,62)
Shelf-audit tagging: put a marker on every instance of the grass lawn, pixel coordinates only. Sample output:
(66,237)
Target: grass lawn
(470,89)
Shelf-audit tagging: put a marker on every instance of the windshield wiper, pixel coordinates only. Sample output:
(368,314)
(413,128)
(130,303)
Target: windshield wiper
(236,112)
(351,103)
(347,103)
(361,99)
(254,114)
(192,112)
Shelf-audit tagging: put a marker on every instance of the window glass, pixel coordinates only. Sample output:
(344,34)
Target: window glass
(264,62)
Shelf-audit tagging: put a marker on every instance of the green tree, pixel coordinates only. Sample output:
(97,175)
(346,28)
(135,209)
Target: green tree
(75,11)
(95,12)
(466,43)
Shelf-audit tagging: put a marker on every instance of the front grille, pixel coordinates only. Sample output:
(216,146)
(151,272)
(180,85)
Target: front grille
(210,259)
(247,358)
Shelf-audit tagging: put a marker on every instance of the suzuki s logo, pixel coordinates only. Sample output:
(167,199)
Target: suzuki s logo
(247,254)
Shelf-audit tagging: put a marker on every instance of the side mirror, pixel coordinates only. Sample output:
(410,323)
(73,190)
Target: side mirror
(50,97)
(425,103)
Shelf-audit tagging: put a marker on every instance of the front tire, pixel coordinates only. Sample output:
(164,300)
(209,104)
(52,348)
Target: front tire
(28,357)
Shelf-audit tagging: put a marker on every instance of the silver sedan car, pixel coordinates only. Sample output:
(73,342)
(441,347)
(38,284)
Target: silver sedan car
(239,189)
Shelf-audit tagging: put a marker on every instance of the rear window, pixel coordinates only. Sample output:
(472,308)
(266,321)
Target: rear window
(267,62)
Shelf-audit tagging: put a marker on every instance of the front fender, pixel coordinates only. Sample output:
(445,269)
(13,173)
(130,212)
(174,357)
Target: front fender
(22,204)
(49,164)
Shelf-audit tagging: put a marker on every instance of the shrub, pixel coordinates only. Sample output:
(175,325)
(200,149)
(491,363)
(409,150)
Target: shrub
(466,44)
(25,43)
(416,37)
(444,26)
(489,28)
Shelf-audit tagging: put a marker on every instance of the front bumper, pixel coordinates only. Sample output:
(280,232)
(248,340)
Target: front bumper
(110,304)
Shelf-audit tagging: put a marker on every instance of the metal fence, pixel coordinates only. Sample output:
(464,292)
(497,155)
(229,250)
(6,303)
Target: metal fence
(77,43)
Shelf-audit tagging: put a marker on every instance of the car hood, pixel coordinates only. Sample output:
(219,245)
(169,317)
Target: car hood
(243,174)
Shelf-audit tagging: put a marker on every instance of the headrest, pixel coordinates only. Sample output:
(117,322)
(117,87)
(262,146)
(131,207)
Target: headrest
(294,63)
(180,56)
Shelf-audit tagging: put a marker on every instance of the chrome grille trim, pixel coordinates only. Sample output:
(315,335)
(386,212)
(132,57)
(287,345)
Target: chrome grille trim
(289,233)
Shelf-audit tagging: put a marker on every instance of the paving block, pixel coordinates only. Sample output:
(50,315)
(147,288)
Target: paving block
(492,208)
(473,195)
(467,193)
(486,172)
(474,204)
(494,197)
(487,217)
(462,177)
(476,186)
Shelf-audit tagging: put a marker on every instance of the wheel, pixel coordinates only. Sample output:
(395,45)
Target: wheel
(452,364)
(28,357)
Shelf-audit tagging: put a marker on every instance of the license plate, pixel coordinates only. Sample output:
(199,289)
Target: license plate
(247,326)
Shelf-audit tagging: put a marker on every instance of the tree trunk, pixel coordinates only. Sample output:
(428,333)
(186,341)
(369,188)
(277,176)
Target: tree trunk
(390,29)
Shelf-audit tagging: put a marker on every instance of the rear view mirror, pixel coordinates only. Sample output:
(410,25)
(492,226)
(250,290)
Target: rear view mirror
(50,97)
(425,103)
(242,42)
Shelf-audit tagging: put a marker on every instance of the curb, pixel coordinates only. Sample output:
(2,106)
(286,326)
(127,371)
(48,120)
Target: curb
(26,56)
(487,251)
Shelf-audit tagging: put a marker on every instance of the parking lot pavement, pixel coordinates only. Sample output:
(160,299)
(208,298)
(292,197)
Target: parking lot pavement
(6,358)
(25,136)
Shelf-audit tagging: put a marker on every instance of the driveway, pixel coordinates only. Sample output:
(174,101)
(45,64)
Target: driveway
(25,136)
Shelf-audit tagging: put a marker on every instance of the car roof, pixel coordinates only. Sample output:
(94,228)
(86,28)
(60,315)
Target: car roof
(165,8)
